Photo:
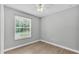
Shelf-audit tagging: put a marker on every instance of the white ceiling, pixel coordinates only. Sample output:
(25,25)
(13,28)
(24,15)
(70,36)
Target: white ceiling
(48,8)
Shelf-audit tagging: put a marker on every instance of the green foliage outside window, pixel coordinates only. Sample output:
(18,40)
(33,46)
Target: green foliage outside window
(23,27)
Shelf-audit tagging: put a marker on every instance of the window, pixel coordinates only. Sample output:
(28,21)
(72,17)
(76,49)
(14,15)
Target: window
(23,27)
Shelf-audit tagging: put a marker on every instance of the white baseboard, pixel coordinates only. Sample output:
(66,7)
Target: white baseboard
(73,50)
(45,42)
(20,45)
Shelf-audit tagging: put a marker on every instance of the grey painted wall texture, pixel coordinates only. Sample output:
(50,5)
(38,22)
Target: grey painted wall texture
(0,29)
(10,28)
(62,28)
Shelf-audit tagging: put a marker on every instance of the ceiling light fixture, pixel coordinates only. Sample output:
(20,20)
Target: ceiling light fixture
(40,7)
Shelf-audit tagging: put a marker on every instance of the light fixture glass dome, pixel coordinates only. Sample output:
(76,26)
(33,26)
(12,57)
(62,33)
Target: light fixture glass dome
(40,7)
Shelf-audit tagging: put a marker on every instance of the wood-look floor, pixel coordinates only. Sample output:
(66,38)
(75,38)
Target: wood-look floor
(39,48)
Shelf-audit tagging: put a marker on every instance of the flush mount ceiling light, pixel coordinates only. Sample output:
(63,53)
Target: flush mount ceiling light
(40,7)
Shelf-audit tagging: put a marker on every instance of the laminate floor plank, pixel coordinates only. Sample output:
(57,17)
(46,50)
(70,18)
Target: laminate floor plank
(39,48)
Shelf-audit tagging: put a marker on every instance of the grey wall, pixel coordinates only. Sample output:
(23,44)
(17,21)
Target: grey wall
(62,28)
(0,29)
(9,28)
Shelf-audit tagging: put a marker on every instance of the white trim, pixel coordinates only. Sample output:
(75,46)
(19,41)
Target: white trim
(2,29)
(73,50)
(20,45)
(17,37)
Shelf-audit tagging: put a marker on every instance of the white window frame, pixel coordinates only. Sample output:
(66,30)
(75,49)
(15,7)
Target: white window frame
(17,37)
